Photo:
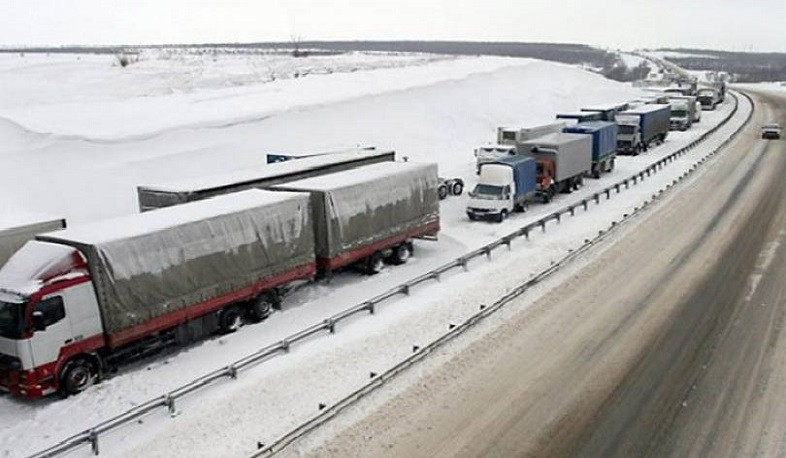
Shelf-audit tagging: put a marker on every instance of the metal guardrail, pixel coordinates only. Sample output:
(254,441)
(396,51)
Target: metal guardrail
(168,401)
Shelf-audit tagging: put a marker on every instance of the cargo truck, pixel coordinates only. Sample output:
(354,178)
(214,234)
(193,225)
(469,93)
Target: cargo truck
(508,140)
(640,127)
(709,98)
(682,112)
(368,216)
(77,302)
(505,186)
(16,230)
(562,161)
(163,195)
(604,144)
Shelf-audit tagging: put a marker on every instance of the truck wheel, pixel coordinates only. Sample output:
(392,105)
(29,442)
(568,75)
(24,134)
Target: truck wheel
(596,172)
(374,264)
(546,197)
(261,307)
(77,375)
(472,217)
(442,191)
(400,255)
(457,188)
(230,320)
(611,165)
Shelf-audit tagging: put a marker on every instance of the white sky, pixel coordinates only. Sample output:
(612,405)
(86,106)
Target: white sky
(733,25)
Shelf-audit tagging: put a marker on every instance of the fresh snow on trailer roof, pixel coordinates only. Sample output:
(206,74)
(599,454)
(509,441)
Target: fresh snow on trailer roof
(153,221)
(352,177)
(263,171)
(13,220)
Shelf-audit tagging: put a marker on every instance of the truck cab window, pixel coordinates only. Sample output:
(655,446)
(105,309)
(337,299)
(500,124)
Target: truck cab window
(51,309)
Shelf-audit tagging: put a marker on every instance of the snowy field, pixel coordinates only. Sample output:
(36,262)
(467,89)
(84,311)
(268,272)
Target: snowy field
(79,135)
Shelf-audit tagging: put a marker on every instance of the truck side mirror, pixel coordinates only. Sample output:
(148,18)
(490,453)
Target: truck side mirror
(39,324)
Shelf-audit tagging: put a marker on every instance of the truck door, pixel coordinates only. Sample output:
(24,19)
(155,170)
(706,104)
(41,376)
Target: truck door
(50,314)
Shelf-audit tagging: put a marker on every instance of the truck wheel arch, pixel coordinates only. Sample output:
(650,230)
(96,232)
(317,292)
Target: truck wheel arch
(94,363)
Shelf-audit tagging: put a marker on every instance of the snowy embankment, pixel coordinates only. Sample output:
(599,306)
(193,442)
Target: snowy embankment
(436,113)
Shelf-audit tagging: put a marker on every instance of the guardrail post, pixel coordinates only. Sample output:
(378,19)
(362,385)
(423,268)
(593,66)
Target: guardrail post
(463,264)
(370,307)
(93,438)
(558,217)
(596,196)
(169,402)
(487,252)
(331,325)
(435,276)
(405,289)
(585,204)
(572,210)
(608,194)
(526,233)
(543,224)
(232,372)
(285,346)
(507,242)
(617,188)
(627,184)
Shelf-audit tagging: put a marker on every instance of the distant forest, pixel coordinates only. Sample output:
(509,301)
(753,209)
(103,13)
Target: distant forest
(749,67)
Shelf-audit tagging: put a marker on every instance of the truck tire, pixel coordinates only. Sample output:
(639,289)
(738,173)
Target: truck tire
(401,254)
(457,188)
(472,217)
(261,307)
(611,165)
(501,216)
(230,320)
(374,264)
(596,171)
(442,191)
(76,376)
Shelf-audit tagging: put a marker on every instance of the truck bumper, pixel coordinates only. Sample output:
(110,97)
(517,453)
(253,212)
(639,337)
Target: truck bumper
(482,214)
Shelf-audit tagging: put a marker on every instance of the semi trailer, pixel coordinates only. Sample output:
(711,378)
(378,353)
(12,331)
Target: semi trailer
(162,195)
(581,116)
(562,161)
(77,302)
(608,112)
(370,215)
(604,144)
(640,127)
(505,186)
(18,229)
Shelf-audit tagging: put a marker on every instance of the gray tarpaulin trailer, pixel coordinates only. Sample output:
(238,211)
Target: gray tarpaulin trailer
(16,230)
(163,195)
(155,270)
(362,214)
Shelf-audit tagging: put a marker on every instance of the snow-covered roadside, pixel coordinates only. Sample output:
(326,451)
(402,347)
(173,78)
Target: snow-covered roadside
(441,122)
(257,407)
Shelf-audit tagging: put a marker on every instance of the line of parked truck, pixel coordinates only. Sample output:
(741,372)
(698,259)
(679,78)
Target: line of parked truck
(201,257)
(205,255)
(531,163)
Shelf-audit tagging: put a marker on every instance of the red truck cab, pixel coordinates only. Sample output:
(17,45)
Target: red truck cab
(50,331)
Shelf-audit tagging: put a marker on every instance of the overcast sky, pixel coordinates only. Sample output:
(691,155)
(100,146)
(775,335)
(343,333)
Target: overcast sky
(734,25)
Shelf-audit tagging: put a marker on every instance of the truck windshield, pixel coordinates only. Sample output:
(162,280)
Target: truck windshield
(11,320)
(679,114)
(486,191)
(626,130)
